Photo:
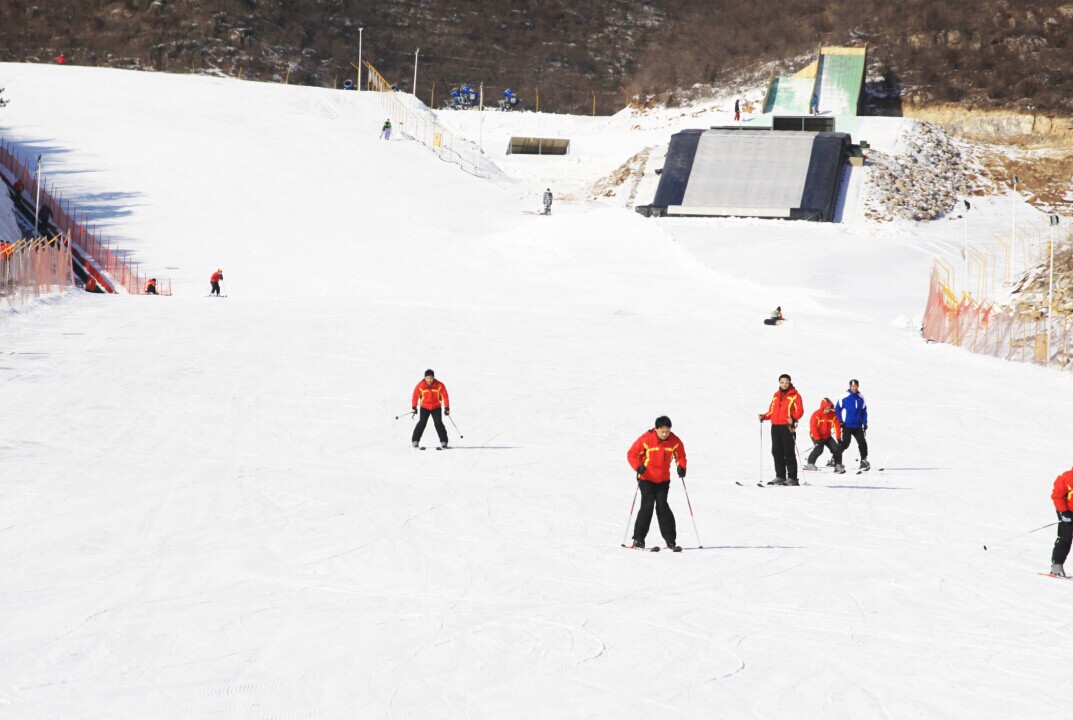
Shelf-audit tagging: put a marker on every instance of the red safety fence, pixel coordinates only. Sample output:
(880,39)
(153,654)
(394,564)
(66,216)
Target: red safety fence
(111,267)
(35,267)
(994,330)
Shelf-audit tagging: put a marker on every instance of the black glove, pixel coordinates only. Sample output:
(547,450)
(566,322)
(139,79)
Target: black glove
(1066,516)
(865,428)
(761,417)
(640,470)
(447,411)
(793,426)
(681,471)
(413,410)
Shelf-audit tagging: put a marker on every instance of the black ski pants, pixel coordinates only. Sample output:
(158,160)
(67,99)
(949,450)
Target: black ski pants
(215,289)
(437,419)
(655,494)
(817,450)
(848,434)
(1062,542)
(784,450)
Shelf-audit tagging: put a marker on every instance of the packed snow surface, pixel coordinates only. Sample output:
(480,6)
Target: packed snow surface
(209,509)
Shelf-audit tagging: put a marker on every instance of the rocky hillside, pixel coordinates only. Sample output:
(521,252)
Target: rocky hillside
(987,54)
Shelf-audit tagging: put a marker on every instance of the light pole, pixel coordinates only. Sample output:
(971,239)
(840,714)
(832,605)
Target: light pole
(480,127)
(416,53)
(361,26)
(37,182)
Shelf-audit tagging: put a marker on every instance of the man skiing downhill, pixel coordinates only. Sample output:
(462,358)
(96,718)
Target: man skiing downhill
(385,130)
(430,394)
(1062,495)
(215,282)
(853,412)
(650,457)
(786,409)
(826,432)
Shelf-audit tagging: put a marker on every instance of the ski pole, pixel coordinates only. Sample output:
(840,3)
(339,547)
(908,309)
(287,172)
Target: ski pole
(628,522)
(691,511)
(408,412)
(456,427)
(1000,542)
(761,477)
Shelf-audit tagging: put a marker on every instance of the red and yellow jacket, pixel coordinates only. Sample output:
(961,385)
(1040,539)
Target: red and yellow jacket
(216,276)
(655,455)
(1062,493)
(430,397)
(786,407)
(824,423)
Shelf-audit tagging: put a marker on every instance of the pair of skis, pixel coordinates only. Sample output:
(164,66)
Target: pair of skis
(656,548)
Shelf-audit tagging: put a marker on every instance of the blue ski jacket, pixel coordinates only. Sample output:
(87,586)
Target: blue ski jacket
(852,410)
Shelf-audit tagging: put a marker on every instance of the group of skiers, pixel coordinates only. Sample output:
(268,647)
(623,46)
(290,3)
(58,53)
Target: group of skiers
(832,426)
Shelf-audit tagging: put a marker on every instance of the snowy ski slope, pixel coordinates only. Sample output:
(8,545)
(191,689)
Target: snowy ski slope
(207,508)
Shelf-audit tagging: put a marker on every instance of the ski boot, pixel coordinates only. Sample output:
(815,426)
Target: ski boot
(810,467)
(777,481)
(792,482)
(443,445)
(639,544)
(865,465)
(414,444)
(840,469)
(831,462)
(1057,570)
(674,547)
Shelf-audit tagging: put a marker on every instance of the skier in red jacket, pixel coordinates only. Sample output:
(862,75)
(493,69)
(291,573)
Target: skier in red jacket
(215,282)
(650,457)
(429,394)
(825,431)
(786,409)
(1062,495)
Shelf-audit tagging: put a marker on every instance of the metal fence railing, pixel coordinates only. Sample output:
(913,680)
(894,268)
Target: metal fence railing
(416,121)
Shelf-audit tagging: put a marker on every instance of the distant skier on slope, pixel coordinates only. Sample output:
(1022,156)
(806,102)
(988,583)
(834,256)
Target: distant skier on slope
(775,317)
(385,131)
(150,286)
(826,432)
(786,409)
(215,280)
(1061,495)
(430,394)
(853,412)
(737,110)
(650,457)
(547,201)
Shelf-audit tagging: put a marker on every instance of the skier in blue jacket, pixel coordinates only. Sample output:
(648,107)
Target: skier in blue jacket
(853,412)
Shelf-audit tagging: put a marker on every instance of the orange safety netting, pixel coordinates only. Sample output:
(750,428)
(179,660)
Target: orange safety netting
(992,330)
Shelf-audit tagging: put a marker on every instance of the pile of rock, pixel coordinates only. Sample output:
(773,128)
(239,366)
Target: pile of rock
(923,182)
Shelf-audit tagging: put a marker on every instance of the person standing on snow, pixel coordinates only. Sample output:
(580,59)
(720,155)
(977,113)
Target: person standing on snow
(429,394)
(547,201)
(650,456)
(215,280)
(385,131)
(825,431)
(737,110)
(150,286)
(786,409)
(1061,495)
(853,412)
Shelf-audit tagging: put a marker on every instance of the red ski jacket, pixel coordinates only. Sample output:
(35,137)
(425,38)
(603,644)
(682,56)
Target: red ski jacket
(824,422)
(430,397)
(655,455)
(216,276)
(1062,493)
(786,407)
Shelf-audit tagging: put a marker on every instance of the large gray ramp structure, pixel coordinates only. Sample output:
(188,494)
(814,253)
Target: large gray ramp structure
(754,173)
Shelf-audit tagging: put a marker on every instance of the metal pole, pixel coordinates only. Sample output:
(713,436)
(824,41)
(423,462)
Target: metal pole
(415,76)
(630,521)
(1013,226)
(1050,290)
(480,127)
(360,28)
(37,182)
